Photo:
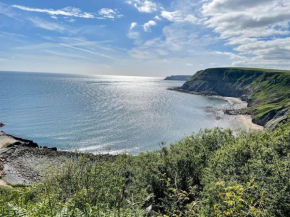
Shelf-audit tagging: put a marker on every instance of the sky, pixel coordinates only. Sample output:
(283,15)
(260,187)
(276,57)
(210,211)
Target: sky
(143,37)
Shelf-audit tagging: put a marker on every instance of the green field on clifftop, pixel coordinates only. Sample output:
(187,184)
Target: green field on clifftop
(259,69)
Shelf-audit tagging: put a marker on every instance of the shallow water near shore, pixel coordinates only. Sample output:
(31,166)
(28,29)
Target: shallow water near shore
(100,113)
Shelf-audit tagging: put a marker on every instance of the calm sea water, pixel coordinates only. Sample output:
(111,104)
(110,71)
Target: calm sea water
(94,113)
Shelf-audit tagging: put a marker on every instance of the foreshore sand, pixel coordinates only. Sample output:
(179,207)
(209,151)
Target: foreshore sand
(245,120)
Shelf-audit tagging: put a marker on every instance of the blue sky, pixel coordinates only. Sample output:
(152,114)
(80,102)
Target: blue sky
(143,37)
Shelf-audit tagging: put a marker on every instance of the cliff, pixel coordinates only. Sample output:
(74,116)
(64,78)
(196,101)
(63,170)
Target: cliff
(267,91)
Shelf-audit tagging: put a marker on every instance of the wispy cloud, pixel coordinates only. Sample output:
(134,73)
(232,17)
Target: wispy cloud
(68,11)
(147,26)
(104,13)
(40,23)
(87,51)
(178,40)
(9,34)
(62,54)
(6,10)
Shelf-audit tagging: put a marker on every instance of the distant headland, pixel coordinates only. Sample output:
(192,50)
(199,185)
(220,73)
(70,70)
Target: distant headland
(178,78)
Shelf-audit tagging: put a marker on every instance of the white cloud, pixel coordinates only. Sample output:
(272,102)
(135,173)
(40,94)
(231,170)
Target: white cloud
(145,6)
(133,25)
(230,17)
(147,26)
(109,13)
(220,6)
(169,15)
(258,30)
(157,18)
(132,34)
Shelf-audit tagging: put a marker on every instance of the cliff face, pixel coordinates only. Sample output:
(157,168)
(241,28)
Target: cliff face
(266,91)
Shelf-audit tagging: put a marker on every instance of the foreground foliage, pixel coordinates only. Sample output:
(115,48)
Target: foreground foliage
(212,173)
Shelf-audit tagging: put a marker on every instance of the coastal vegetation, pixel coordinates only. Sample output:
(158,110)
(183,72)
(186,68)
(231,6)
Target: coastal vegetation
(212,173)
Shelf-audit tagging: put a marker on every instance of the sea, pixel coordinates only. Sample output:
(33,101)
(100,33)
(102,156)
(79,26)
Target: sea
(101,114)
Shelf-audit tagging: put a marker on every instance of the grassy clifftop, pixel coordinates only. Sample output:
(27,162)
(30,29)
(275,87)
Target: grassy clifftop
(266,90)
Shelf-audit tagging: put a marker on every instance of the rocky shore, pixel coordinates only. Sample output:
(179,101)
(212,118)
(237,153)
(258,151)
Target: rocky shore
(24,162)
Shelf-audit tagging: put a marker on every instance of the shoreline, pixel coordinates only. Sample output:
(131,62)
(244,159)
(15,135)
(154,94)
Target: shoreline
(25,162)
(235,104)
